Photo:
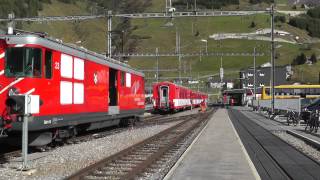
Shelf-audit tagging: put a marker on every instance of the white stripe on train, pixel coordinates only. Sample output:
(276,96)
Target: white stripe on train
(30,91)
(19,45)
(185,102)
(11,84)
(2,55)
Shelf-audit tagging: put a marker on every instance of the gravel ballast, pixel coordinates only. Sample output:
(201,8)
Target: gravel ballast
(66,160)
(300,145)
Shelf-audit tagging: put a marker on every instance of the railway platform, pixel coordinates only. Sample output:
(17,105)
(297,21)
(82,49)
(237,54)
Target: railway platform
(217,153)
(278,124)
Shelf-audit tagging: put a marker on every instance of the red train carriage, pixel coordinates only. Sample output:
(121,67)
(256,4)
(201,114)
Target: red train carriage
(78,89)
(168,96)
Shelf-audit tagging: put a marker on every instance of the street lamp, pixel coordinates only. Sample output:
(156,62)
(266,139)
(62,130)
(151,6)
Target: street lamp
(254,74)
(205,41)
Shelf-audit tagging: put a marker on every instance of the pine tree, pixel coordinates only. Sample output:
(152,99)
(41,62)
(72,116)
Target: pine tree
(313,58)
(253,24)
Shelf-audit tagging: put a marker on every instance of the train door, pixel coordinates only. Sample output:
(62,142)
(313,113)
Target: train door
(113,92)
(164,96)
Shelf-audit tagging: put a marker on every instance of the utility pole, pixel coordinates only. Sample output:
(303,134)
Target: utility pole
(254,74)
(179,56)
(10,23)
(198,81)
(177,41)
(166,6)
(157,52)
(272,59)
(109,42)
(206,46)
(25,141)
(195,5)
(221,70)
(190,69)
(122,41)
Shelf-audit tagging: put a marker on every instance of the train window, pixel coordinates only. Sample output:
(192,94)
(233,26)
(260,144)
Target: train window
(296,91)
(290,91)
(23,62)
(78,68)
(66,65)
(48,65)
(267,91)
(122,80)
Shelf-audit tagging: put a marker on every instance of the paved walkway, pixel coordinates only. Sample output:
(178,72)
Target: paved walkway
(217,154)
(279,124)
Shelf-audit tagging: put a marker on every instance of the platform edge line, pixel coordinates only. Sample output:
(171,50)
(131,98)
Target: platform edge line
(170,173)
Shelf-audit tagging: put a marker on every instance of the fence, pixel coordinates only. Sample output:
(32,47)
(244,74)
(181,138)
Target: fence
(281,104)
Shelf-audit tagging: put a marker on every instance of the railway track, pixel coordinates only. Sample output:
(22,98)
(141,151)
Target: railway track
(9,155)
(273,157)
(148,158)
(96,134)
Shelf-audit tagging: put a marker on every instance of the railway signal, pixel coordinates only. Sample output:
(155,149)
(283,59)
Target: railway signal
(24,106)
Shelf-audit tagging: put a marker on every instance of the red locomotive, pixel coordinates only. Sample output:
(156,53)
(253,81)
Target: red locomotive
(168,96)
(78,89)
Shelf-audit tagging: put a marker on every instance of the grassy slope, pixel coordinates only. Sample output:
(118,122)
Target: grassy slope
(165,39)
(92,34)
(89,32)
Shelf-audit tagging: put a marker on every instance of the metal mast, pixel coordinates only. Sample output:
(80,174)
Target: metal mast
(109,33)
(254,74)
(157,52)
(272,58)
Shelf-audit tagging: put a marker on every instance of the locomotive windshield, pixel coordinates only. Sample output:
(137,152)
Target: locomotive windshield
(23,62)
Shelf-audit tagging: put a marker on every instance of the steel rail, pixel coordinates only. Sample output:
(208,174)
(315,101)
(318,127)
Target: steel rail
(151,150)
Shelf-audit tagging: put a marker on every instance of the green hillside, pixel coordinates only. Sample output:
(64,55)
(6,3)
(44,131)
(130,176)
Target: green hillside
(145,35)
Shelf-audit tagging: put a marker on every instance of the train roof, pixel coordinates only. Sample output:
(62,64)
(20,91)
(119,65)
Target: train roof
(168,82)
(68,49)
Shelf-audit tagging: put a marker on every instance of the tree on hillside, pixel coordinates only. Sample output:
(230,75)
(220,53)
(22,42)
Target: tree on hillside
(307,23)
(315,12)
(299,60)
(313,58)
(294,7)
(280,18)
(253,24)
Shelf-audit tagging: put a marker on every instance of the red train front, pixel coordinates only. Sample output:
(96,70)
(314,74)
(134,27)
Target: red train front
(168,96)
(78,89)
